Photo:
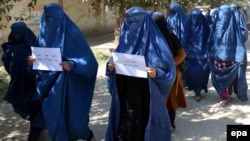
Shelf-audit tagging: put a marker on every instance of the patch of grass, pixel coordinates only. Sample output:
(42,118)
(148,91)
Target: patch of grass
(4,82)
(102,55)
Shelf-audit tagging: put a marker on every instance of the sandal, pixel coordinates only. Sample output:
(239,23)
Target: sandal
(224,102)
(230,90)
(198,98)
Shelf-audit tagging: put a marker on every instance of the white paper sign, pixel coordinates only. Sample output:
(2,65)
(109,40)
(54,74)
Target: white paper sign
(47,58)
(131,65)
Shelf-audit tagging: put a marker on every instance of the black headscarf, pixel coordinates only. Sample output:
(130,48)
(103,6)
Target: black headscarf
(171,38)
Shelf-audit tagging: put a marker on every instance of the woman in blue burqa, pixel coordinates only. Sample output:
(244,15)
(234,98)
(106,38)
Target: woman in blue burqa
(196,46)
(22,86)
(177,19)
(213,14)
(138,111)
(66,95)
(240,19)
(227,56)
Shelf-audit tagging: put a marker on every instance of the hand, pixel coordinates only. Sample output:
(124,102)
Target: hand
(65,66)
(241,63)
(31,60)
(151,72)
(111,66)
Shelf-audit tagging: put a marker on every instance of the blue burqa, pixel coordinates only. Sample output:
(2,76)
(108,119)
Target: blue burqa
(227,44)
(66,95)
(213,14)
(241,21)
(177,19)
(21,90)
(140,36)
(195,44)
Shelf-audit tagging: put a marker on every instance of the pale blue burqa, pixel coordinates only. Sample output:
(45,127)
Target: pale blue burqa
(227,44)
(241,21)
(177,19)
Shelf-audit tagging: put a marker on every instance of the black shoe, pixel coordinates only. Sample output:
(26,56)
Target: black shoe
(172,115)
(230,90)
(91,137)
(198,98)
(173,130)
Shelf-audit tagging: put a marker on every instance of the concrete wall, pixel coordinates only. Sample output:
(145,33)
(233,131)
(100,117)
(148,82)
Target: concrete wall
(90,19)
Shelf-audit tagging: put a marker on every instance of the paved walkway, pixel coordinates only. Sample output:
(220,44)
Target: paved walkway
(203,121)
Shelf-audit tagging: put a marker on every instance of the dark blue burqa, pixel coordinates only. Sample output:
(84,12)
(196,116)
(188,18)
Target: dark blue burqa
(227,44)
(66,96)
(177,19)
(21,90)
(196,46)
(139,35)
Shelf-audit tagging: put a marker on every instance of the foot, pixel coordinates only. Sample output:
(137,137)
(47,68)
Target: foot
(173,126)
(230,91)
(92,137)
(173,130)
(224,102)
(198,98)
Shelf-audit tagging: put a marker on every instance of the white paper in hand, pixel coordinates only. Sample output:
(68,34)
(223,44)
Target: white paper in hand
(130,65)
(47,58)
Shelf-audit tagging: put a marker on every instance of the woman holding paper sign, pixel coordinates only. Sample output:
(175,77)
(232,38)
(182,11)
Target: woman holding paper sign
(138,111)
(66,95)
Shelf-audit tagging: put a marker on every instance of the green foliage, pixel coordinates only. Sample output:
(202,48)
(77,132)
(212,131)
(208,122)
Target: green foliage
(186,4)
(6,6)
(4,82)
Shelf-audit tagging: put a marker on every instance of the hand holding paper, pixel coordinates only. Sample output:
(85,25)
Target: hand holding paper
(131,65)
(47,58)
(151,72)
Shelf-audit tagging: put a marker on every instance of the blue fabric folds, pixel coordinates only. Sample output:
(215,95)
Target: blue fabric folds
(21,90)
(214,14)
(228,45)
(196,46)
(177,19)
(223,79)
(139,35)
(241,21)
(196,35)
(226,42)
(66,96)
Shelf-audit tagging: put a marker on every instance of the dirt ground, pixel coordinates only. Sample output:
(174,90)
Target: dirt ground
(206,120)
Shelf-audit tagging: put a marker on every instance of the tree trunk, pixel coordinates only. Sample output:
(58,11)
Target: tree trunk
(60,2)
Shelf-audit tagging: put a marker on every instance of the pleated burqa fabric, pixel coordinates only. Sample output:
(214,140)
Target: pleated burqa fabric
(66,95)
(227,44)
(140,36)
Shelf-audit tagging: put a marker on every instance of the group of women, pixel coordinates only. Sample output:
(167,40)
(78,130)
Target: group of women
(142,109)
(214,44)
(57,103)
(216,49)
